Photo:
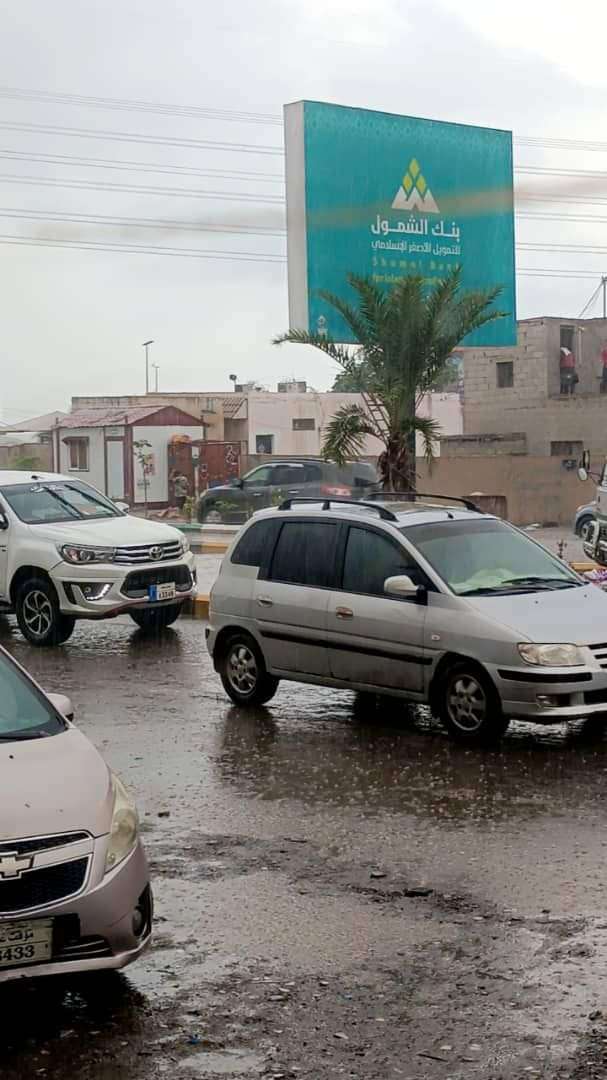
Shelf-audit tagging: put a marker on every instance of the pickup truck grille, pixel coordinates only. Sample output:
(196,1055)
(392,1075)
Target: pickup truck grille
(149,553)
(137,583)
(600,653)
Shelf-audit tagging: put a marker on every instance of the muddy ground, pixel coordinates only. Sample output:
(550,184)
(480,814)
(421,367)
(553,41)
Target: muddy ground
(340,891)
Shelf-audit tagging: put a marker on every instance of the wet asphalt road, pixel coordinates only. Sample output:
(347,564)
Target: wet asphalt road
(340,890)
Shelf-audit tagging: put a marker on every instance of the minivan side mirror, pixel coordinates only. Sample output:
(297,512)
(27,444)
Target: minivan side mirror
(400,585)
(3,521)
(582,473)
(62,704)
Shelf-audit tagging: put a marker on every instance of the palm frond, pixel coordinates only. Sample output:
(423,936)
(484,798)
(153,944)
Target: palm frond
(339,353)
(346,433)
(430,432)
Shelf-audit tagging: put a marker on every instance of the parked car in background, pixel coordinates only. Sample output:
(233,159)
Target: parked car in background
(67,553)
(74,887)
(270,483)
(439,605)
(584,517)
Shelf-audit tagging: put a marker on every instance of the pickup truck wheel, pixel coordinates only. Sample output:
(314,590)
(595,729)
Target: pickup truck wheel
(154,620)
(469,705)
(40,619)
(243,672)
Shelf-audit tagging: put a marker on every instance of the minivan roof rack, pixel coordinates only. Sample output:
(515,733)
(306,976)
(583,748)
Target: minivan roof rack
(385,515)
(410,496)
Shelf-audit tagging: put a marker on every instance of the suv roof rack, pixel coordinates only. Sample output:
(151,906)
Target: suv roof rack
(385,515)
(411,496)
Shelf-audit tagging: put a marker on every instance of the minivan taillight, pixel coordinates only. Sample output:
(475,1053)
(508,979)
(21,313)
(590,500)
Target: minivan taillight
(338,490)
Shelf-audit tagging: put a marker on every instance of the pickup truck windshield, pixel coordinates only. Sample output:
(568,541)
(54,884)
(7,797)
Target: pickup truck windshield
(57,500)
(484,558)
(24,712)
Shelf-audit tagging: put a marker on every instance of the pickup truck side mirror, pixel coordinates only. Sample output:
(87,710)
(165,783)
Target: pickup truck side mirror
(120,505)
(582,473)
(3,521)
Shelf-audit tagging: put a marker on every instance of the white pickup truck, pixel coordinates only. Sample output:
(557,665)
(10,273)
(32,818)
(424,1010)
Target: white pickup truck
(67,552)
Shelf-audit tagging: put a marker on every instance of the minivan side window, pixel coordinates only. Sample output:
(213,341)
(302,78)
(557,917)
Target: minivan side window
(371,558)
(305,553)
(255,547)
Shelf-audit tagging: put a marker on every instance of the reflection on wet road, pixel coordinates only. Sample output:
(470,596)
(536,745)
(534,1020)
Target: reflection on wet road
(326,867)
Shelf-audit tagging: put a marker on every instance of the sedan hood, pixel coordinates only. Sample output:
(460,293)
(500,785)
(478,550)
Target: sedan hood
(108,532)
(53,785)
(576,616)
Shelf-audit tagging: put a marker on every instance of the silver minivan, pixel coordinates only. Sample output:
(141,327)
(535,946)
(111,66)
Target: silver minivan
(441,605)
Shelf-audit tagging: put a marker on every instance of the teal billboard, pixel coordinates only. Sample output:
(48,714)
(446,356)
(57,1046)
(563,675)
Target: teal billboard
(385,196)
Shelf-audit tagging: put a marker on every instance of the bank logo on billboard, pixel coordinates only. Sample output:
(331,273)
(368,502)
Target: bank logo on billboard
(414,193)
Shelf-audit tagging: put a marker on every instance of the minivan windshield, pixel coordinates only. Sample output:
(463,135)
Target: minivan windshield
(488,557)
(46,501)
(24,712)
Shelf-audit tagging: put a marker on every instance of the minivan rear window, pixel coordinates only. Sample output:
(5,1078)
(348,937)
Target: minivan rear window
(255,546)
(305,553)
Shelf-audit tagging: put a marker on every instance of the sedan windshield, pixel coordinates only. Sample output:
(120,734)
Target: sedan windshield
(58,500)
(24,712)
(477,558)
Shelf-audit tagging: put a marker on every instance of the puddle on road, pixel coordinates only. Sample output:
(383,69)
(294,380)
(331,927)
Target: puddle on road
(223,1063)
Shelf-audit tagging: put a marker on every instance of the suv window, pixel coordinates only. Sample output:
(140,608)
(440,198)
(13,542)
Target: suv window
(255,547)
(371,558)
(288,474)
(305,553)
(259,477)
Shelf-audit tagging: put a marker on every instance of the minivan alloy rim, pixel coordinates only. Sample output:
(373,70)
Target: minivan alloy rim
(467,703)
(242,669)
(37,613)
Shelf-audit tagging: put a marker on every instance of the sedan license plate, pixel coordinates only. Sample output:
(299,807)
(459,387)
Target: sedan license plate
(162,592)
(29,942)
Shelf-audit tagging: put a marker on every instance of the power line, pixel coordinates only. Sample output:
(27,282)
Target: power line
(126,136)
(135,166)
(141,189)
(141,249)
(143,223)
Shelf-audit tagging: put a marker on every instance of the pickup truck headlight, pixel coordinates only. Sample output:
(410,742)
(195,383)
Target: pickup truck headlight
(185,545)
(73,553)
(552,655)
(124,830)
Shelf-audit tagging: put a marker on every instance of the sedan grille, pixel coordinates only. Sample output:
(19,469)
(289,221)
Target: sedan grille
(48,885)
(137,584)
(149,553)
(41,843)
(600,653)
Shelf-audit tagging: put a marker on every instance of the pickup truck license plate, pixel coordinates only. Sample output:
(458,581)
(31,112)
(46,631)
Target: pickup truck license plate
(29,942)
(162,592)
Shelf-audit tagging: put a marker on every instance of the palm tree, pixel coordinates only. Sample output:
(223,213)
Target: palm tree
(406,337)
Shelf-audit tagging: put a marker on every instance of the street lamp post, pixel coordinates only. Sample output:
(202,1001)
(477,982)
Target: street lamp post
(146,346)
(156,370)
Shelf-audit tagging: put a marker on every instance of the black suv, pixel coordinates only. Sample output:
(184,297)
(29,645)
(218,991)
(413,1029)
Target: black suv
(269,484)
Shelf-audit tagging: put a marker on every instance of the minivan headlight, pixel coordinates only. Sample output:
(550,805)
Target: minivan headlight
(551,655)
(73,553)
(124,830)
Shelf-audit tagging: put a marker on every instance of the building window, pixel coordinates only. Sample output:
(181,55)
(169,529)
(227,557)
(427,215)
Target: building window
(304,424)
(564,449)
(505,374)
(567,337)
(264,444)
(79,454)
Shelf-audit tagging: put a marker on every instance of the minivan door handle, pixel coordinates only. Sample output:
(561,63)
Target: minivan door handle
(344,613)
(265,601)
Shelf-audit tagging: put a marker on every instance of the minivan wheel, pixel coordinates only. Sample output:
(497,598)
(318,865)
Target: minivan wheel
(243,672)
(153,620)
(469,705)
(38,614)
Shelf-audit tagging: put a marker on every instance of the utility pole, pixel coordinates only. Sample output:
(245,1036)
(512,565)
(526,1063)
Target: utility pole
(156,370)
(604,287)
(146,346)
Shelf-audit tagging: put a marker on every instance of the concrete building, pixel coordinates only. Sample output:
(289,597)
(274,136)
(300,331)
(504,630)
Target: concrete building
(519,394)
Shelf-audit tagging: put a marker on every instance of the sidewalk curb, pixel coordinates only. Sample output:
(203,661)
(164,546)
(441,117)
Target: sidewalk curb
(209,547)
(197,607)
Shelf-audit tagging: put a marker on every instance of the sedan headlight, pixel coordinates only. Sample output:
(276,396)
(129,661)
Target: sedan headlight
(124,830)
(73,553)
(551,655)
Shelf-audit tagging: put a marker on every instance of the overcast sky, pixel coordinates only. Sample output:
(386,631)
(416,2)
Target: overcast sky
(73,320)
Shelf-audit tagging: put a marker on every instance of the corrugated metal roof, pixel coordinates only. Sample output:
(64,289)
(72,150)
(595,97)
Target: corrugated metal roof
(85,418)
(232,406)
